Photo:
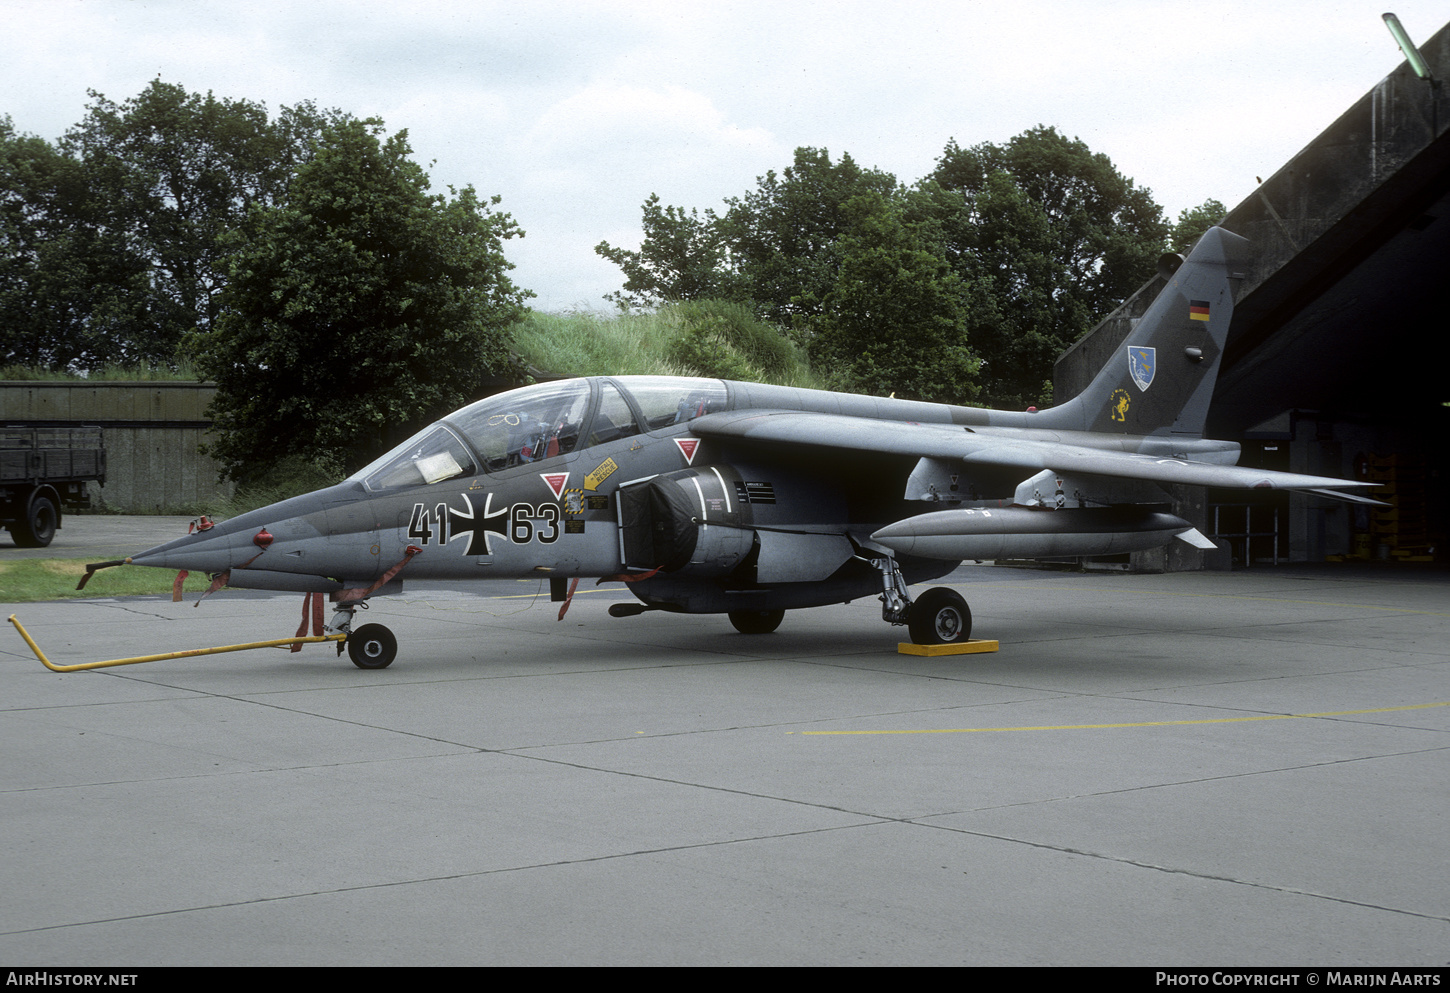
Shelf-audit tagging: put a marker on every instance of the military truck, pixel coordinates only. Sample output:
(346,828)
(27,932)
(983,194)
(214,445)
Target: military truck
(41,469)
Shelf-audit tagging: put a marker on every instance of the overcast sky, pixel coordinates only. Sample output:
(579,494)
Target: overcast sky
(575,112)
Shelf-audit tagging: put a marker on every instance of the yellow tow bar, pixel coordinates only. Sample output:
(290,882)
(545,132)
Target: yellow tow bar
(169,655)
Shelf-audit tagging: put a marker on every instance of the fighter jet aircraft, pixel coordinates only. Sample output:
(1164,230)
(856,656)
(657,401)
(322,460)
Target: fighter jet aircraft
(706,496)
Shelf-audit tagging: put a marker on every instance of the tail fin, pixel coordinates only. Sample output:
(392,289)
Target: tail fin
(1161,379)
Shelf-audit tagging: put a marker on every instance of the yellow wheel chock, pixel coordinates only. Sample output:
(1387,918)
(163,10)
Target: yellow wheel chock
(295,640)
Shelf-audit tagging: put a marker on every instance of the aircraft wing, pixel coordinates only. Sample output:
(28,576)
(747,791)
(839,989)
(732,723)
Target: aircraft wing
(954,442)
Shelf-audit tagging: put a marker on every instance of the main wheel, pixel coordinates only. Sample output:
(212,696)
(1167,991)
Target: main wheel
(756,621)
(37,527)
(372,646)
(938,617)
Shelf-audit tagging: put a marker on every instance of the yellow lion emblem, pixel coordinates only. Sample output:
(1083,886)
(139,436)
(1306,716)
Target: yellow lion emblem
(1120,402)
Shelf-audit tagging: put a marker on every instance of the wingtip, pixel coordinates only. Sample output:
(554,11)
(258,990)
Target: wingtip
(1344,496)
(1197,539)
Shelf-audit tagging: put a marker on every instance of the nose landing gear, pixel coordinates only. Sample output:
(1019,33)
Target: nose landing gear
(371,646)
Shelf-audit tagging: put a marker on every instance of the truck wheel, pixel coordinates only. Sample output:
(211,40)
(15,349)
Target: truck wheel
(37,527)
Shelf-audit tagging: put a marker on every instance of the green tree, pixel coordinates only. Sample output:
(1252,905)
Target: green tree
(170,172)
(896,317)
(1042,236)
(1059,236)
(779,235)
(1192,222)
(682,257)
(357,304)
(73,292)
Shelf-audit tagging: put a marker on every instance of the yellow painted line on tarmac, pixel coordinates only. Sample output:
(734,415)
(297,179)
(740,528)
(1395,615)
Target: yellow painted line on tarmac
(530,596)
(1146,724)
(1212,596)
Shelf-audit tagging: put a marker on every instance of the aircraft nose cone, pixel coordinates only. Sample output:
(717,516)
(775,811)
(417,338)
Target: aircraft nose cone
(275,545)
(240,541)
(213,550)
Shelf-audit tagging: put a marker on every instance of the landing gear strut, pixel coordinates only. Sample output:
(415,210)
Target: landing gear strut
(938,617)
(895,601)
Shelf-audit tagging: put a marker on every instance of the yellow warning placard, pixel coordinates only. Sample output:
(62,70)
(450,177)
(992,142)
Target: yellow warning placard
(601,472)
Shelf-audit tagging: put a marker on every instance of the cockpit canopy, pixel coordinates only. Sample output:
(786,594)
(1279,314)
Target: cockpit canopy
(541,422)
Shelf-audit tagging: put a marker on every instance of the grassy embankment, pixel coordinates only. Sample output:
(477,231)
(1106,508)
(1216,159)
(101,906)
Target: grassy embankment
(697,338)
(109,374)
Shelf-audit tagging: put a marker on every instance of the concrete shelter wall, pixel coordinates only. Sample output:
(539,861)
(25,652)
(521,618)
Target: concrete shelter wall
(152,433)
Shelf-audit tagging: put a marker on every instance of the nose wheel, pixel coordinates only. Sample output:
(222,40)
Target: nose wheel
(372,646)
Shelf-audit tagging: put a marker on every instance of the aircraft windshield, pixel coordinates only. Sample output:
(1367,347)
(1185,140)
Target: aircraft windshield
(666,400)
(430,456)
(537,422)
(522,426)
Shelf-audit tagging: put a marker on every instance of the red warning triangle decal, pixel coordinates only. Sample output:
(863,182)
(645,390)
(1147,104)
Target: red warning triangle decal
(687,448)
(555,481)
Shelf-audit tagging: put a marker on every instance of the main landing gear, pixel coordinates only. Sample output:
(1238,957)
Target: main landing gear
(756,621)
(939,616)
(371,646)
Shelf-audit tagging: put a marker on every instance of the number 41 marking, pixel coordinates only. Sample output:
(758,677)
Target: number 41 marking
(420,527)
